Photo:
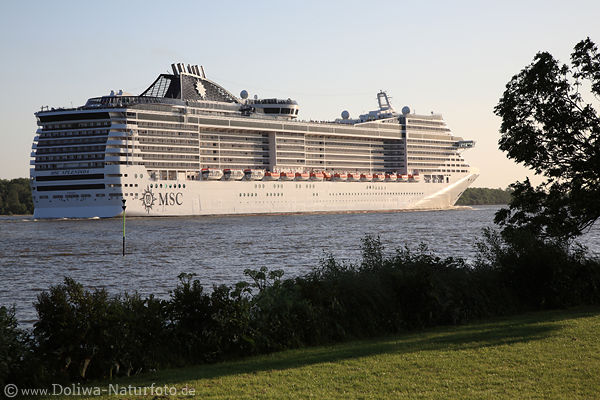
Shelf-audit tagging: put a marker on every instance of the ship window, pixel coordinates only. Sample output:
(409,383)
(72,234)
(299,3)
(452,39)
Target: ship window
(184,185)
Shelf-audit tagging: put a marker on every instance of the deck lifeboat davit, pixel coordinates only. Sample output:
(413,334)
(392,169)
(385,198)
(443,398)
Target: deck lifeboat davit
(316,176)
(272,176)
(253,174)
(391,177)
(378,177)
(353,177)
(302,176)
(287,176)
(340,176)
(233,174)
(211,174)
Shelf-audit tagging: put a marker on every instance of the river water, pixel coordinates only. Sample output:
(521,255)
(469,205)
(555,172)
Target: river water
(37,254)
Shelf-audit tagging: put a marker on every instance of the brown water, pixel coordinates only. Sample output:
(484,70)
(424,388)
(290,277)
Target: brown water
(37,254)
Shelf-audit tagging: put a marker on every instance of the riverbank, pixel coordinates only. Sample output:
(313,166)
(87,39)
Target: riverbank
(550,354)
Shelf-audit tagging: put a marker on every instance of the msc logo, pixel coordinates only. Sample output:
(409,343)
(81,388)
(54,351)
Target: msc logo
(170,199)
(164,199)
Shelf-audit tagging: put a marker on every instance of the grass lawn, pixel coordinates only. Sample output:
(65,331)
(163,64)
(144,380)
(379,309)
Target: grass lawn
(533,356)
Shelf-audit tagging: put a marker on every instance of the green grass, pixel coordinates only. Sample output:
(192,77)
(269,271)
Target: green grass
(538,355)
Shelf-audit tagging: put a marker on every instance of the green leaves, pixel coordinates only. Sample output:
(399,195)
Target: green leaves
(547,126)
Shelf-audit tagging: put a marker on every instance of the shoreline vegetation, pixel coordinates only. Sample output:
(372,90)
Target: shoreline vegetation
(15,197)
(82,335)
(545,354)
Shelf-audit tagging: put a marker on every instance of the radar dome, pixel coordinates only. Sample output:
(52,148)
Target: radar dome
(345,114)
(405,110)
(244,94)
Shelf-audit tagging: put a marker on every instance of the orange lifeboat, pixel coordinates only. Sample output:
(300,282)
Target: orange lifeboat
(302,176)
(391,177)
(211,174)
(287,176)
(254,174)
(378,177)
(416,178)
(402,178)
(327,175)
(316,176)
(233,174)
(272,176)
(354,177)
(340,176)
(366,177)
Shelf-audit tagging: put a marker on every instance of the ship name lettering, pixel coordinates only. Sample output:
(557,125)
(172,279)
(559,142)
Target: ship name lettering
(170,199)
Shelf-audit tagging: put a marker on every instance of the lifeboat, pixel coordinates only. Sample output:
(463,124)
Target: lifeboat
(327,175)
(391,177)
(378,177)
(366,177)
(354,177)
(233,174)
(402,178)
(272,176)
(415,178)
(287,176)
(316,176)
(340,176)
(302,176)
(253,174)
(211,174)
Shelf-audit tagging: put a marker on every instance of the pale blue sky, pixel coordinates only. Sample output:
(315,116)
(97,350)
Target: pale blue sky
(449,57)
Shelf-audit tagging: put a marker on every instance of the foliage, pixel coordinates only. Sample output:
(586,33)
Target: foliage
(548,126)
(542,355)
(15,196)
(541,273)
(14,349)
(84,334)
(480,196)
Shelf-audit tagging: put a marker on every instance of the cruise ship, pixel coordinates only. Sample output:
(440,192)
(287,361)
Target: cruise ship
(187,146)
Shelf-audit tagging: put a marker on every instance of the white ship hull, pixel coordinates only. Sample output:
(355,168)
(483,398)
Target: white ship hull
(189,198)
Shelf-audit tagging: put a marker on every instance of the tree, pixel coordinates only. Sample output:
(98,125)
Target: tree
(548,125)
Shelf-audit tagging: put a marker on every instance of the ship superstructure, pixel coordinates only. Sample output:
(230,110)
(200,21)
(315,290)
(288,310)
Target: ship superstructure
(187,146)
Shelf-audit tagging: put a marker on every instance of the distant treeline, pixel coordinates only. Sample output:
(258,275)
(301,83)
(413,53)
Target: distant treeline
(478,196)
(15,196)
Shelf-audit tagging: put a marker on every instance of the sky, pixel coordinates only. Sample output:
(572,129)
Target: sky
(453,58)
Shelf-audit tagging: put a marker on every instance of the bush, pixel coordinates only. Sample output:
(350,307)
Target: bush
(86,334)
(541,273)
